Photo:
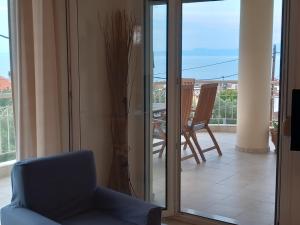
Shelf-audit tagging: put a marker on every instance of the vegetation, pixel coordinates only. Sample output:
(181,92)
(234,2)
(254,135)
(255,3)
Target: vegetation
(275,124)
(159,95)
(7,130)
(225,108)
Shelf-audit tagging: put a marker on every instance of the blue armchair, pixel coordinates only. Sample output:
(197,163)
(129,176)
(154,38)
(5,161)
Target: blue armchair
(61,190)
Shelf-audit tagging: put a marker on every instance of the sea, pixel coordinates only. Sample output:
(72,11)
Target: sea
(200,64)
(206,64)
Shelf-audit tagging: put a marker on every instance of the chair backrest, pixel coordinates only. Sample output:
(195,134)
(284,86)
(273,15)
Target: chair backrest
(187,91)
(205,103)
(56,187)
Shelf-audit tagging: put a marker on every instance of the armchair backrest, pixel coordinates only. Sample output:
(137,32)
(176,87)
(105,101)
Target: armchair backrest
(56,187)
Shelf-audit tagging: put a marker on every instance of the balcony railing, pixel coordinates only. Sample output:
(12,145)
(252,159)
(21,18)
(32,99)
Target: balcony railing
(225,108)
(7,128)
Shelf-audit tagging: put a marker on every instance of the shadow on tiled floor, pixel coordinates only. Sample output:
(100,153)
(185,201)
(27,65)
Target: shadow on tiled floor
(236,185)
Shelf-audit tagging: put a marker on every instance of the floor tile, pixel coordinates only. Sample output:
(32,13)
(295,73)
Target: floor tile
(237,185)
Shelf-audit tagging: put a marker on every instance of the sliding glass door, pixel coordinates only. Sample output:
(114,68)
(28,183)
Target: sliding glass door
(156,102)
(196,161)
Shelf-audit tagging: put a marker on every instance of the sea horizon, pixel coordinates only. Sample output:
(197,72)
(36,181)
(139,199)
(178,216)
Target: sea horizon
(200,64)
(206,64)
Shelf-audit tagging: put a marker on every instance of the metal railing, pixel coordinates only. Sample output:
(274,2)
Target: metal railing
(225,108)
(7,128)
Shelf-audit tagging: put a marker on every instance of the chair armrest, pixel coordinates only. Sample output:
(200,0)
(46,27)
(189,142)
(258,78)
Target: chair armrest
(11,215)
(127,208)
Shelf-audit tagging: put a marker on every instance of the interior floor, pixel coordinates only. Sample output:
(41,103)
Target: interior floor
(236,185)
(5,191)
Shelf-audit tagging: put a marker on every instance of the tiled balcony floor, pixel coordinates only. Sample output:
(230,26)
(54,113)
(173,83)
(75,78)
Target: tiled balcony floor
(236,185)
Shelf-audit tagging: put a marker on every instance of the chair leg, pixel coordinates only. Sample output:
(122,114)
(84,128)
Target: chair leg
(194,137)
(214,140)
(186,144)
(189,143)
(161,151)
(163,137)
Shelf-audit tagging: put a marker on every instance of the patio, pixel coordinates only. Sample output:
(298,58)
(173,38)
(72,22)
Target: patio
(236,185)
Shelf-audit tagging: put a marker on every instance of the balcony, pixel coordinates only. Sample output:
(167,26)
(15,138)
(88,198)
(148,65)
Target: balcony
(7,143)
(236,185)
(7,127)
(225,109)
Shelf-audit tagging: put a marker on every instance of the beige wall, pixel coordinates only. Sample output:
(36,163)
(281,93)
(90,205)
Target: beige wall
(94,97)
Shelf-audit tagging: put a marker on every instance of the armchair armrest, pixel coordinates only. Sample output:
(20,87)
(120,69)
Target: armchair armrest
(11,215)
(127,208)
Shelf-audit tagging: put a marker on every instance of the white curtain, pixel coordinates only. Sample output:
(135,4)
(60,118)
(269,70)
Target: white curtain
(40,78)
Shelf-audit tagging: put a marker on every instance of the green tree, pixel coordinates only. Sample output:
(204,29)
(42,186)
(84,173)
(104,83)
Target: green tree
(225,108)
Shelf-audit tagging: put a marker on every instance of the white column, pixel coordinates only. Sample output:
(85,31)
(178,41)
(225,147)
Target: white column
(256,28)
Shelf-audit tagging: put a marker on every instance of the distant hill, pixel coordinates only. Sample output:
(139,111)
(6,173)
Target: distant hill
(211,52)
(205,52)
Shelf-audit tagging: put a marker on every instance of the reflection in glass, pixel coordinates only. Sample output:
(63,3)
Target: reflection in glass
(158,96)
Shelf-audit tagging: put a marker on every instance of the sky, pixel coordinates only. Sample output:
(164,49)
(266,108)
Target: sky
(4,47)
(4,43)
(204,23)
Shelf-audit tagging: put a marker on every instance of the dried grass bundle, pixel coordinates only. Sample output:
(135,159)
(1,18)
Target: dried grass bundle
(118,32)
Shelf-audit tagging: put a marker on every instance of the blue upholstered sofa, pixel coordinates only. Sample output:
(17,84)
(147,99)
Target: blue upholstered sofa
(61,190)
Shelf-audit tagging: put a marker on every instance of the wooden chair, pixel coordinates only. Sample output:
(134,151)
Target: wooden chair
(159,133)
(187,91)
(158,128)
(201,118)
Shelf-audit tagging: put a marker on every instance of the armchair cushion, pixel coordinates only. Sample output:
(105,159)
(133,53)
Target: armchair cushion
(40,184)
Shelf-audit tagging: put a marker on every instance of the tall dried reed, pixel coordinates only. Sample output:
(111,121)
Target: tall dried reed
(118,33)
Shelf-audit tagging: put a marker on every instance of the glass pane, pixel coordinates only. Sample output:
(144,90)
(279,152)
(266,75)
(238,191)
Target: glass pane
(7,129)
(158,101)
(235,186)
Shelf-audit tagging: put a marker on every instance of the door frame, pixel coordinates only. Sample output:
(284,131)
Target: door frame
(288,184)
(174,80)
(175,50)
